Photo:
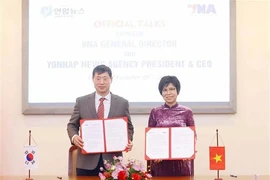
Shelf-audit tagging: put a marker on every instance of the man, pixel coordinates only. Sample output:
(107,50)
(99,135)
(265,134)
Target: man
(87,107)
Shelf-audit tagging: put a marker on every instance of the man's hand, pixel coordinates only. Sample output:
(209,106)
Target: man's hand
(129,146)
(78,142)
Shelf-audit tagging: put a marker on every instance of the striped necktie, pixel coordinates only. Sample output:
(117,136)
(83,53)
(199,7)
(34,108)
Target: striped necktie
(101,109)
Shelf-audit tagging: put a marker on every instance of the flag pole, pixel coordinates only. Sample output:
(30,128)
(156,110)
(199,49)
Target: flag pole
(29,176)
(218,178)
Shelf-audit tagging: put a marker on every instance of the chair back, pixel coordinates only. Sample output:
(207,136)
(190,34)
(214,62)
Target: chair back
(72,160)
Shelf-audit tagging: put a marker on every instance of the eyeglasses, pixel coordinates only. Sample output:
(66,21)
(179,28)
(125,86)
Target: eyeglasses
(168,90)
(103,79)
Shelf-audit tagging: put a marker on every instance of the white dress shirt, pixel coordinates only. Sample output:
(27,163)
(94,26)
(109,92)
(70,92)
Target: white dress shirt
(107,105)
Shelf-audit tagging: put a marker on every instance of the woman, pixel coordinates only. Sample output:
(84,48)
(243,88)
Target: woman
(171,114)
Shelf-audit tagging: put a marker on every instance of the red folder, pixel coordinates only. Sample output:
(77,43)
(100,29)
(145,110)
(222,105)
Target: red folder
(82,121)
(169,136)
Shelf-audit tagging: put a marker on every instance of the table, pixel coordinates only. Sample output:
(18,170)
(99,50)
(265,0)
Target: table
(154,178)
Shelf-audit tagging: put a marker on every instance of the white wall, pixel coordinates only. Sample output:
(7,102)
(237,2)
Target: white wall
(245,134)
(1,17)
(269,76)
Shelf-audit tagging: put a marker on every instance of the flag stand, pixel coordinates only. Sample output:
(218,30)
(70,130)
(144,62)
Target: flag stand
(217,178)
(29,173)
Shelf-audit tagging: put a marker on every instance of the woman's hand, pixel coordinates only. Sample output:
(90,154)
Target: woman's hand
(157,160)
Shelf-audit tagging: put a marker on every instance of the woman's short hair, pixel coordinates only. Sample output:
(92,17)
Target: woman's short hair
(166,80)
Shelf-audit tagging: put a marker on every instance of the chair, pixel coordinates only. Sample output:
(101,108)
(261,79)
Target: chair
(72,159)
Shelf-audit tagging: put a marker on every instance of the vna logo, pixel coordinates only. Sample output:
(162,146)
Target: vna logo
(202,8)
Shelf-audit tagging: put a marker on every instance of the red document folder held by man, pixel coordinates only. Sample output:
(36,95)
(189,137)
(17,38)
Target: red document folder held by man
(104,135)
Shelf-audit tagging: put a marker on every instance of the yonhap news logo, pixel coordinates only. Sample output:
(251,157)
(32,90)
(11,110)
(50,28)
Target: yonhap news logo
(46,11)
(63,11)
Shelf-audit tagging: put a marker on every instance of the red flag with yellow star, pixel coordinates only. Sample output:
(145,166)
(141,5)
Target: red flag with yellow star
(217,157)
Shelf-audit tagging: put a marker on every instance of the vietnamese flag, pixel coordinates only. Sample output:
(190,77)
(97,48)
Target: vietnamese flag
(217,157)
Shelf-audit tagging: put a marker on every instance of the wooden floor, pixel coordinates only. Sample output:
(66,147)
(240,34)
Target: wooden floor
(154,178)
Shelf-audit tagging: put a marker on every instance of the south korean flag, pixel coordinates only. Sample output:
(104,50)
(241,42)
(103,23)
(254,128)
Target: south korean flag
(30,157)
